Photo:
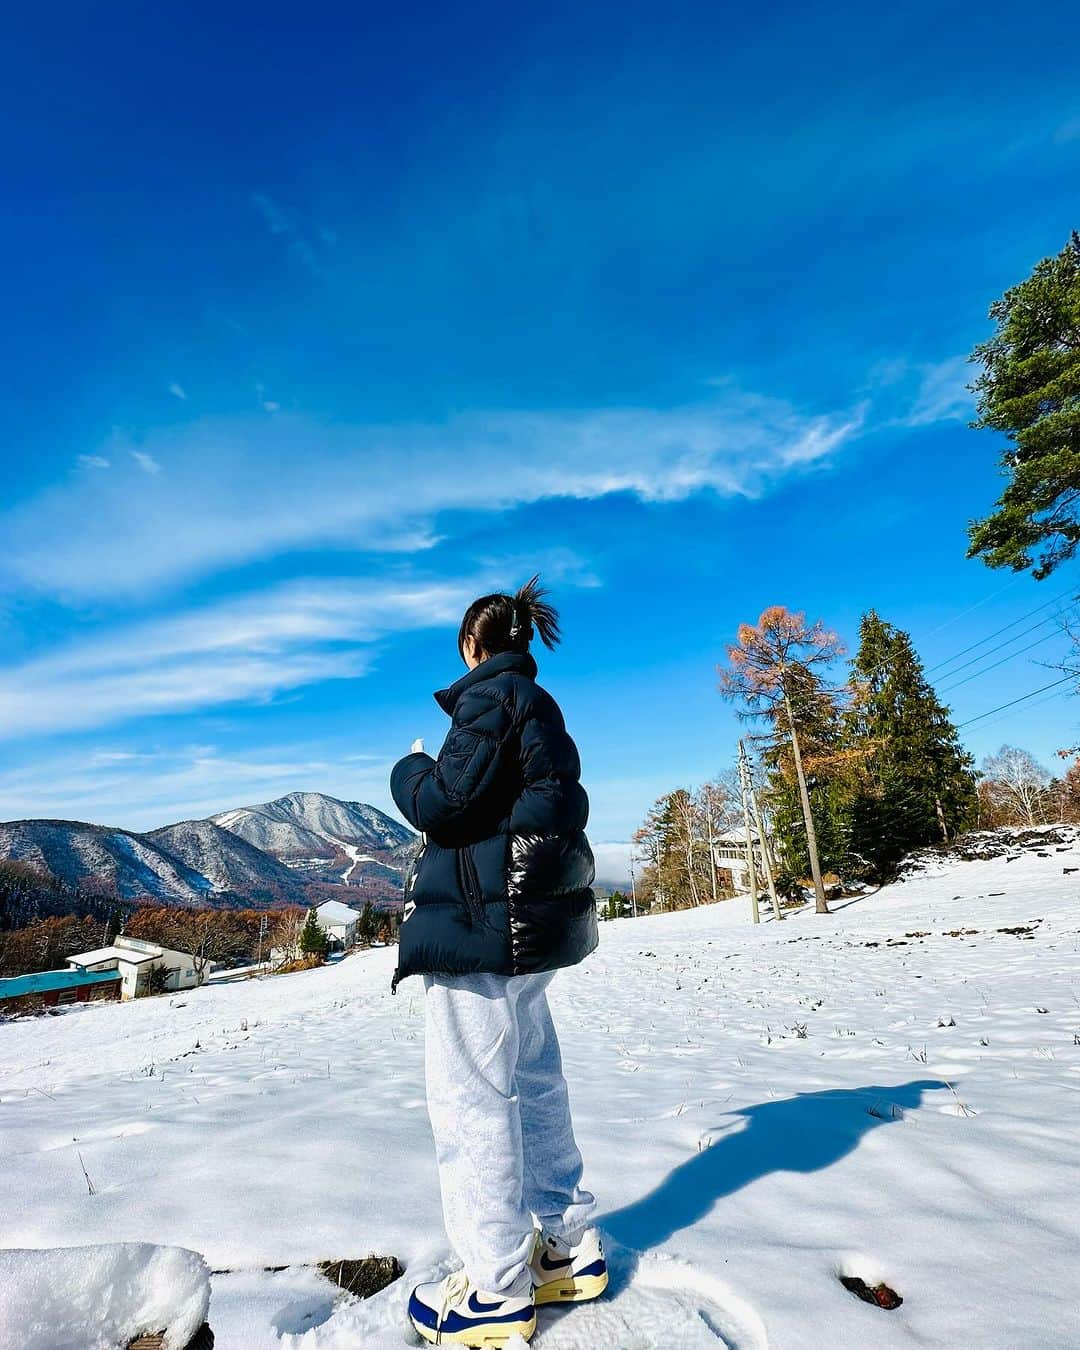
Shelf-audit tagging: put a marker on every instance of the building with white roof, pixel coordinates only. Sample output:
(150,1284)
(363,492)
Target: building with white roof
(338,922)
(134,959)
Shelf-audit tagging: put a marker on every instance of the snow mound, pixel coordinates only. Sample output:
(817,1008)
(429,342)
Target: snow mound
(101,1297)
(1009,842)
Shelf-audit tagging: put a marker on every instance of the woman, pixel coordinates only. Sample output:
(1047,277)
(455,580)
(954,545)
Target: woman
(499,899)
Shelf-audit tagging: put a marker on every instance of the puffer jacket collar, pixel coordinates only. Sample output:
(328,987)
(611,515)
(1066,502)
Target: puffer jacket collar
(520,663)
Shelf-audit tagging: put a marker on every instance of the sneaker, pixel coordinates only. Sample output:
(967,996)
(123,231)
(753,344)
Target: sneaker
(565,1274)
(454,1312)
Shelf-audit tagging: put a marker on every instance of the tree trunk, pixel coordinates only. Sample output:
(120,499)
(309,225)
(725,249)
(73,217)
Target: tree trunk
(766,862)
(712,842)
(750,863)
(820,905)
(941,818)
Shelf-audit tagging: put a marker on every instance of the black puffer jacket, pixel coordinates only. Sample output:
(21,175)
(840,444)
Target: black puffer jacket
(503,883)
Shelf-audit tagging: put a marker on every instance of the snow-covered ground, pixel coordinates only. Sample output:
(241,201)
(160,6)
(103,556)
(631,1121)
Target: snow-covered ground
(889,1092)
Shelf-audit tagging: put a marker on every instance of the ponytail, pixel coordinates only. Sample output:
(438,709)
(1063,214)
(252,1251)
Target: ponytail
(508,623)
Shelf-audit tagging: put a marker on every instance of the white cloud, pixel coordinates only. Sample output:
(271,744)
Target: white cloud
(279,222)
(942,394)
(146,462)
(178,391)
(246,650)
(613,863)
(143,790)
(93,462)
(244,490)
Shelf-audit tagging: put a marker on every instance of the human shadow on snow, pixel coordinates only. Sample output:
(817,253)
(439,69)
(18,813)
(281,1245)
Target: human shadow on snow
(804,1133)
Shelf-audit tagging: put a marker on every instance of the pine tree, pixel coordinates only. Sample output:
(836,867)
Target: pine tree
(367,926)
(1030,390)
(916,783)
(313,941)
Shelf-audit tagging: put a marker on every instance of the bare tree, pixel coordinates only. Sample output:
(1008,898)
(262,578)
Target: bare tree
(685,837)
(1017,786)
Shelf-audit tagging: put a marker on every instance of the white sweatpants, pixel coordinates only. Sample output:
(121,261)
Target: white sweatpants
(501,1119)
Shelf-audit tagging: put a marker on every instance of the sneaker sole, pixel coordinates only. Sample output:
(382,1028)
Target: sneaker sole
(571,1291)
(497,1336)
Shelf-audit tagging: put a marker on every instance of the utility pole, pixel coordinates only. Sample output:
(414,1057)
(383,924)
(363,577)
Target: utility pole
(262,935)
(766,861)
(750,863)
(633,891)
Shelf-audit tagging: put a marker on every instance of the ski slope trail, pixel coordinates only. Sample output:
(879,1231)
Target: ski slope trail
(888,1092)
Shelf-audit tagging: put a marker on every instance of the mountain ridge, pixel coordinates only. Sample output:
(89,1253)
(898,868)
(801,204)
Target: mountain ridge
(314,846)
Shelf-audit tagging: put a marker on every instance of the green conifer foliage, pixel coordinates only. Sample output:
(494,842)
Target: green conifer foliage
(916,784)
(313,941)
(1030,390)
(827,763)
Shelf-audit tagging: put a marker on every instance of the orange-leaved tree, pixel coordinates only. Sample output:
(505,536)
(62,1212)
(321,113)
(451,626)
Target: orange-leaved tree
(768,664)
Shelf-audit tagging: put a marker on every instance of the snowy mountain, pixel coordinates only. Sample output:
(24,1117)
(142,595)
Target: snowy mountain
(310,825)
(886,1093)
(287,851)
(228,861)
(97,857)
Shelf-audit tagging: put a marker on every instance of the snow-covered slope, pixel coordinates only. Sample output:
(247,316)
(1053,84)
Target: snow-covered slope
(118,861)
(228,861)
(305,825)
(887,1092)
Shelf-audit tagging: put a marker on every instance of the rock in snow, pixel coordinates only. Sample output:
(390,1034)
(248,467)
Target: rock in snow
(99,1298)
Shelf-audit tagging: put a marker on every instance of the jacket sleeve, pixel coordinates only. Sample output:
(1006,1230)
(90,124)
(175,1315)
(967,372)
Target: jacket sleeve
(444,796)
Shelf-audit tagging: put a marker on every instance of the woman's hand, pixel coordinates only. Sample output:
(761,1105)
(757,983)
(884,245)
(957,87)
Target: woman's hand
(418,746)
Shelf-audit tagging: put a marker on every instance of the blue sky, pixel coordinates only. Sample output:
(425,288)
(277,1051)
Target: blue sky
(321,322)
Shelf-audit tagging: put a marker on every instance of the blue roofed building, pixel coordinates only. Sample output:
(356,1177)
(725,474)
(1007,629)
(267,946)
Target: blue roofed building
(57,988)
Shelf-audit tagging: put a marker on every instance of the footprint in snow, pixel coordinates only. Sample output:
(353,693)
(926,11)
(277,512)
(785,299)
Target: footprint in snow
(654,1302)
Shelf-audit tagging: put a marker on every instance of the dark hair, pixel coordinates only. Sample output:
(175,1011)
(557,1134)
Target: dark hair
(507,623)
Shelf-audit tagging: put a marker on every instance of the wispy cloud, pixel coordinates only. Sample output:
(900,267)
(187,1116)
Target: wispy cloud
(146,462)
(910,394)
(249,649)
(289,484)
(1068,131)
(279,222)
(141,790)
(943,394)
(178,391)
(93,462)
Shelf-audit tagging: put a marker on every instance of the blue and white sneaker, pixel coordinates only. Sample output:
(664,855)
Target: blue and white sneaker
(454,1312)
(562,1273)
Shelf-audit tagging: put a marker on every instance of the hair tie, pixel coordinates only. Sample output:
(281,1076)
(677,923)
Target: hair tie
(515,625)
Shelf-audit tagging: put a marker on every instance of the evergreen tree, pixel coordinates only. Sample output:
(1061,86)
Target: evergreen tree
(367,926)
(313,941)
(619,905)
(916,783)
(1030,390)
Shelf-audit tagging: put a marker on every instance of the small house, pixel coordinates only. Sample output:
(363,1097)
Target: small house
(338,922)
(134,960)
(57,989)
(729,855)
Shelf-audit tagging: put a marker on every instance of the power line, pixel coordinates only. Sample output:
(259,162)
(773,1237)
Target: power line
(977,605)
(986,669)
(1022,699)
(997,633)
(1038,703)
